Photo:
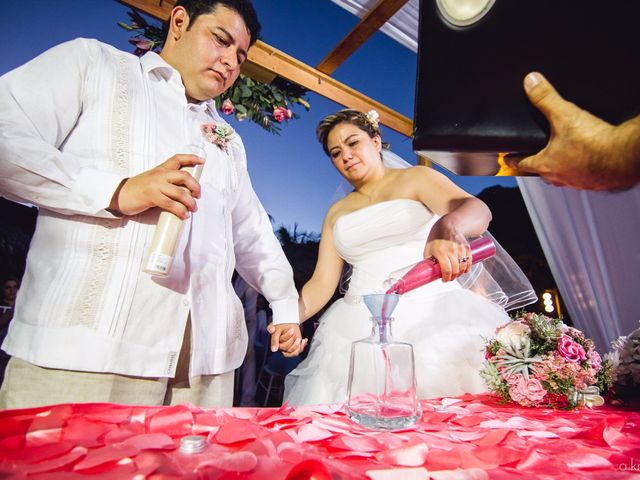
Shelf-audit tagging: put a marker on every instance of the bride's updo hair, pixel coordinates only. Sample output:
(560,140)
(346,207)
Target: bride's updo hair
(348,115)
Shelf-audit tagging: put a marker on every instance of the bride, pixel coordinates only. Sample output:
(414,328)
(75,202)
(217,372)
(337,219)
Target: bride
(394,217)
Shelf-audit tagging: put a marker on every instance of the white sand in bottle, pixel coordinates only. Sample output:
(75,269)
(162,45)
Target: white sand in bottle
(169,230)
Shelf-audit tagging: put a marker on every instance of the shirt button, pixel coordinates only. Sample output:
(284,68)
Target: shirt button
(185,302)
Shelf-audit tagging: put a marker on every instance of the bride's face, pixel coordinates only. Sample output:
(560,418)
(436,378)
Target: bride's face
(353,152)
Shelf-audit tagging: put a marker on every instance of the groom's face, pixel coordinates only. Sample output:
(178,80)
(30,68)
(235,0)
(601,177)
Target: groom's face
(208,53)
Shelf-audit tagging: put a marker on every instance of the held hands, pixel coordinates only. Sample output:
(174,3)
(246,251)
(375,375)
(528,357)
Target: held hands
(165,186)
(579,153)
(450,249)
(287,337)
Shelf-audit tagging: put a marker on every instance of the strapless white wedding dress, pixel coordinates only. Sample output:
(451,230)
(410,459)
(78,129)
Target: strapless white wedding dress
(445,323)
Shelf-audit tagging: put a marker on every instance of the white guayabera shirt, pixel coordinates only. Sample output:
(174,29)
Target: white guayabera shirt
(74,122)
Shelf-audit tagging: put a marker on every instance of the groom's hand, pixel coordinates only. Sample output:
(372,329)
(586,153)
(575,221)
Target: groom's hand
(287,338)
(165,186)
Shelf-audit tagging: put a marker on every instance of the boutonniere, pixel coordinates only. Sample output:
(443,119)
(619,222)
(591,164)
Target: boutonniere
(218,133)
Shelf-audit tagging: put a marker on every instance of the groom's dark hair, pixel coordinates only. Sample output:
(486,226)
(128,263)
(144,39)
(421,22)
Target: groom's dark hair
(244,8)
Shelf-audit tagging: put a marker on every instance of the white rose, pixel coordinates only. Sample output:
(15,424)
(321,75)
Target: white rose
(514,336)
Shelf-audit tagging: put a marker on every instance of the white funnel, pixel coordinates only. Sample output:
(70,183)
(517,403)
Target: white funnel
(381,305)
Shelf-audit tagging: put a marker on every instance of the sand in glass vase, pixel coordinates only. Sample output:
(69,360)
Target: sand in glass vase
(382,384)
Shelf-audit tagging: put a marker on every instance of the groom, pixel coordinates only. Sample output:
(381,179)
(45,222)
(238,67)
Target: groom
(95,137)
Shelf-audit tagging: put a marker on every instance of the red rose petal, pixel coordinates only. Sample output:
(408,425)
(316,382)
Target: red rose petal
(233,432)
(151,441)
(309,470)
(108,454)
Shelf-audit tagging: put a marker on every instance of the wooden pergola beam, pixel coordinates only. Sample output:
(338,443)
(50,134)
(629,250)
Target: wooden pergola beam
(160,9)
(308,77)
(368,25)
(265,62)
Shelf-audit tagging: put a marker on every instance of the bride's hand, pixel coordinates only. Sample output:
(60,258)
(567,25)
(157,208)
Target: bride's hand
(287,338)
(453,255)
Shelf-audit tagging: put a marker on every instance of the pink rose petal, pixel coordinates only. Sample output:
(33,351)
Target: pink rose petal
(492,438)
(413,455)
(460,474)
(311,433)
(360,444)
(291,452)
(419,473)
(586,460)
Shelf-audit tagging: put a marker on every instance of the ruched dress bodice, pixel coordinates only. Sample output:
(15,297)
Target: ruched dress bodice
(381,239)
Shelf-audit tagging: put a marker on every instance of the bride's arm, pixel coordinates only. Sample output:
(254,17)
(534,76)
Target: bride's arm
(462,216)
(323,283)
(319,289)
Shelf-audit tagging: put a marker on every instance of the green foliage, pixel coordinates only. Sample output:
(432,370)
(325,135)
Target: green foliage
(494,381)
(545,332)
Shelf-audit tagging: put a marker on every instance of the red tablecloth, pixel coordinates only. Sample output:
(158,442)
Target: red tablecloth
(467,438)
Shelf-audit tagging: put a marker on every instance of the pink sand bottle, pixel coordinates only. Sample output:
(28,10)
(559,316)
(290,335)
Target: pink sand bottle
(409,278)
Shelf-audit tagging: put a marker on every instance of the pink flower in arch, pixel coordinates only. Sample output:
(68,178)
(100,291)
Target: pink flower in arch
(282,113)
(142,44)
(227,107)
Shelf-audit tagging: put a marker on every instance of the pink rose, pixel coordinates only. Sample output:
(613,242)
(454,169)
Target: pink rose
(515,379)
(570,350)
(526,392)
(282,113)
(595,361)
(227,107)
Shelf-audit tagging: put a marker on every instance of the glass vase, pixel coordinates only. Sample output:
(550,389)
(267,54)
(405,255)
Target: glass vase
(382,391)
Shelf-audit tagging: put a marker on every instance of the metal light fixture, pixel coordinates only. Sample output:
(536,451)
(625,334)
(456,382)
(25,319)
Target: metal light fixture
(462,13)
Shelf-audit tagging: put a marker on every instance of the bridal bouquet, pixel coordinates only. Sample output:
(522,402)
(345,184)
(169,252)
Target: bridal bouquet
(539,361)
(625,366)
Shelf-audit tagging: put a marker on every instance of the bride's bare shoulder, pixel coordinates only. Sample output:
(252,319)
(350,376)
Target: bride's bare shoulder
(421,170)
(421,174)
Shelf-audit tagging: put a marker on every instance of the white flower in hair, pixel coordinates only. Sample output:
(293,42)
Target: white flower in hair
(373,117)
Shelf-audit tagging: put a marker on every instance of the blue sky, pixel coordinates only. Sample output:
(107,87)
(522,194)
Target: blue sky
(292,176)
